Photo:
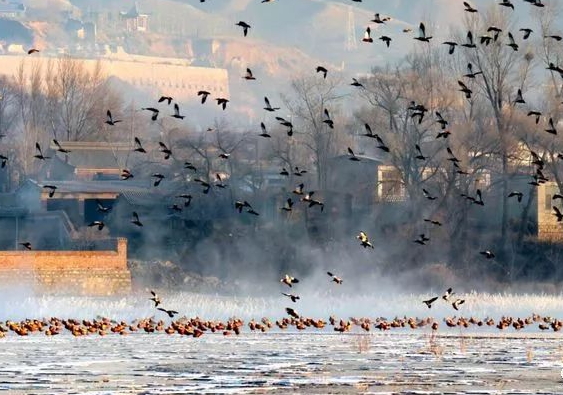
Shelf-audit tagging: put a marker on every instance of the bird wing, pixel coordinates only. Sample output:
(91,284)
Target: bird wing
(422,29)
(462,85)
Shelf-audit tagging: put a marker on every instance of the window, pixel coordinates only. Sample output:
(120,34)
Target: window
(390,187)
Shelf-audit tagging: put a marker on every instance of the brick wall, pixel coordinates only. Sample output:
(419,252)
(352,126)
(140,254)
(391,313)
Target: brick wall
(68,272)
(549,229)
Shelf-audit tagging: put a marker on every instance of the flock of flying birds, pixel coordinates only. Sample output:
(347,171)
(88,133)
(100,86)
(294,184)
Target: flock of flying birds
(418,112)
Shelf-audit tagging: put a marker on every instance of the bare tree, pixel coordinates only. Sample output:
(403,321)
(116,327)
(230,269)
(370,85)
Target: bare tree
(81,98)
(307,102)
(504,70)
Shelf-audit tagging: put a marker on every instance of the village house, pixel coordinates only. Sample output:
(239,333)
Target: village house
(135,21)
(12,9)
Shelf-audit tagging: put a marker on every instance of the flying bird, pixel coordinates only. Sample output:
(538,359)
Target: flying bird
(299,189)
(126,174)
(155,298)
(101,208)
(430,301)
(379,20)
(516,194)
(387,40)
(364,240)
(222,102)
(422,34)
(158,178)
(488,254)
(422,239)
(165,150)
(52,189)
(39,154)
(327,120)
(448,294)
(469,8)
(367,36)
(60,148)
(109,119)
(324,71)
(457,303)
(294,298)
(465,90)
(138,146)
(170,313)
(288,206)
(177,112)
(356,83)
(335,279)
(26,245)
(451,46)
(352,155)
(155,112)
(511,42)
(269,107)
(167,99)
(507,3)
(535,114)
(245,26)
(264,131)
(249,76)
(291,312)
(551,129)
(558,214)
(527,32)
(204,95)
(289,281)
(469,43)
(98,224)
(135,220)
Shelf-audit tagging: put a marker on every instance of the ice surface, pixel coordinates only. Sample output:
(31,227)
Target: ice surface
(280,363)
(474,361)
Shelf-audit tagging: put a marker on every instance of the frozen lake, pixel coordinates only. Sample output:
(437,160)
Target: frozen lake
(469,361)
(282,363)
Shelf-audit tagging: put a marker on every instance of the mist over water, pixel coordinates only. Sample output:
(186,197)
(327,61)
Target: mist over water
(316,305)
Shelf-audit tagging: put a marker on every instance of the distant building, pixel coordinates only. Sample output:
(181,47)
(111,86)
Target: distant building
(11,9)
(135,21)
(89,161)
(548,227)
(152,76)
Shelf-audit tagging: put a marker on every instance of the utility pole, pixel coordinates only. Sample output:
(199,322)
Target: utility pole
(351,40)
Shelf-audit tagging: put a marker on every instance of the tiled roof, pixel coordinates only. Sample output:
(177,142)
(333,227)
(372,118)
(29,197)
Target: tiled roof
(117,186)
(96,155)
(9,7)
